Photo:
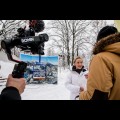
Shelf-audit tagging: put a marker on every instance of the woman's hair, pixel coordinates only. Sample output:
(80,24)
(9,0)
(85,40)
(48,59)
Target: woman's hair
(78,57)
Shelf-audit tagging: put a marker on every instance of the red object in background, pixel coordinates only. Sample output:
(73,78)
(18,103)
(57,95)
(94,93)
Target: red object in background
(32,23)
(38,25)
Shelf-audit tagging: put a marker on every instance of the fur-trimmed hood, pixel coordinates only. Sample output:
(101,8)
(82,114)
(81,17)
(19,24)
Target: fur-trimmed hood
(108,44)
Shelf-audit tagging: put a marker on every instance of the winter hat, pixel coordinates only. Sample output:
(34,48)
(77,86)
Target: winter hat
(106,31)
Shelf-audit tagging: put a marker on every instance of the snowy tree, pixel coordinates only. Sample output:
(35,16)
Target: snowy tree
(50,52)
(92,32)
(60,36)
(96,25)
(9,29)
(70,34)
(73,38)
(78,34)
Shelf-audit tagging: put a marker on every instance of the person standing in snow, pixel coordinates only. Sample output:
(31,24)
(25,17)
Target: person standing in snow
(76,80)
(104,71)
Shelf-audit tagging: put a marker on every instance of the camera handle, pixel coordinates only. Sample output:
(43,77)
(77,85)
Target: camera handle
(19,69)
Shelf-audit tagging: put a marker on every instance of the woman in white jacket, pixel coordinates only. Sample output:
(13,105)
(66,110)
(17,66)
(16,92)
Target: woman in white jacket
(76,78)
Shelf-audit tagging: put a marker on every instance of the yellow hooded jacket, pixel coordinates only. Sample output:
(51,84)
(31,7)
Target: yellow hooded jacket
(104,72)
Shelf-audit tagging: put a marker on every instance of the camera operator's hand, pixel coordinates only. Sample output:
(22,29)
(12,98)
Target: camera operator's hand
(81,89)
(17,83)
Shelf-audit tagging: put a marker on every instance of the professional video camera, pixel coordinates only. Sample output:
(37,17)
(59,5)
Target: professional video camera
(26,40)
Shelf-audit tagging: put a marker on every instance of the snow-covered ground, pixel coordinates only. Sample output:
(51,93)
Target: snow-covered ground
(6,68)
(39,91)
(47,91)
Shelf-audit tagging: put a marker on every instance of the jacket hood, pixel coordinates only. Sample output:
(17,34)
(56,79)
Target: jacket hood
(108,44)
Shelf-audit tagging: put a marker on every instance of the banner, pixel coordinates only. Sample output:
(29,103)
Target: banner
(44,72)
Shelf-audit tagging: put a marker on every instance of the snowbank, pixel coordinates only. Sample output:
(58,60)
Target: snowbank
(6,68)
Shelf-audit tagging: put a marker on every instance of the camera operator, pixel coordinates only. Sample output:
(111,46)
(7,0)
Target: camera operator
(14,88)
(25,40)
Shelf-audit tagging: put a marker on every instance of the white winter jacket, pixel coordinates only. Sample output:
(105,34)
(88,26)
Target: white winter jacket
(74,81)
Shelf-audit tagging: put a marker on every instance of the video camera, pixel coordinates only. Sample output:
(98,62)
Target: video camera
(26,40)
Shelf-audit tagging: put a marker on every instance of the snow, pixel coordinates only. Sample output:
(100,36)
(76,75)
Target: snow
(47,91)
(39,91)
(6,68)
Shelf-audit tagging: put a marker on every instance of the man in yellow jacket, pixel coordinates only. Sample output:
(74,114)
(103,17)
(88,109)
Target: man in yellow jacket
(104,71)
